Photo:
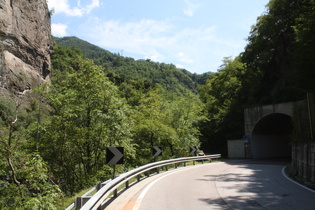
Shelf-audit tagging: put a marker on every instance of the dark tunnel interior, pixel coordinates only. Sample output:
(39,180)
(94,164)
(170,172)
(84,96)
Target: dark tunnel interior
(271,137)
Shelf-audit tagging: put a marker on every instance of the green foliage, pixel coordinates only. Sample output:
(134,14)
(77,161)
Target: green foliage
(224,105)
(169,121)
(6,111)
(35,191)
(303,73)
(89,51)
(167,75)
(24,178)
(280,48)
(301,122)
(88,115)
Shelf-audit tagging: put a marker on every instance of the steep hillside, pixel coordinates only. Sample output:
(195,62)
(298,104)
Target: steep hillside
(167,75)
(89,50)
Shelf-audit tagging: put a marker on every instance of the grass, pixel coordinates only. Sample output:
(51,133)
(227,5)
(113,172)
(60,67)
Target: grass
(67,201)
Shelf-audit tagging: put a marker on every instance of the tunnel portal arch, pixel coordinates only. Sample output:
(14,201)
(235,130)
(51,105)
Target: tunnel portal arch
(268,129)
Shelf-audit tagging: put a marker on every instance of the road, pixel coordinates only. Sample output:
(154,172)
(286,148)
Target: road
(236,184)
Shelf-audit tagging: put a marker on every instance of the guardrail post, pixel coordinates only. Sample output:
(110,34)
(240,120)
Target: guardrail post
(138,178)
(184,164)
(99,186)
(115,193)
(166,168)
(194,162)
(80,201)
(127,184)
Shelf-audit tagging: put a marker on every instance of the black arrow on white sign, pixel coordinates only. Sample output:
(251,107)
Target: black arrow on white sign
(157,151)
(193,150)
(114,155)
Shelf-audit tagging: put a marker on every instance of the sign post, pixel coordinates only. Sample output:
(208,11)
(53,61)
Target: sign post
(157,151)
(114,155)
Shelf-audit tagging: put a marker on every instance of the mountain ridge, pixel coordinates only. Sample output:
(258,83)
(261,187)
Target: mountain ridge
(168,75)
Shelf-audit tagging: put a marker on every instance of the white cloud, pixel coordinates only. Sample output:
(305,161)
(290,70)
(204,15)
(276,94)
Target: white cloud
(155,56)
(184,58)
(180,54)
(179,66)
(160,41)
(59,29)
(142,37)
(190,8)
(63,6)
(90,7)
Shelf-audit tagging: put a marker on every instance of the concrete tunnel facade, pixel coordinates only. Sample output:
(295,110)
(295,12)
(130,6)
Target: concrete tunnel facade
(271,136)
(269,128)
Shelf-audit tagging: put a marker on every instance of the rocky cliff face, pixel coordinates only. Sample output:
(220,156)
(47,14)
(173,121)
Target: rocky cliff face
(25,45)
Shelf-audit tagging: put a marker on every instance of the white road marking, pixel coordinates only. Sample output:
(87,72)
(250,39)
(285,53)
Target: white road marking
(147,188)
(285,175)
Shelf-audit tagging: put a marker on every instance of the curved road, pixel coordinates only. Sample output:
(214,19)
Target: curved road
(223,185)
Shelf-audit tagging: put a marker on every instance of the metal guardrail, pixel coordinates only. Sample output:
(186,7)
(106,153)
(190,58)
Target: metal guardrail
(100,196)
(85,194)
(98,186)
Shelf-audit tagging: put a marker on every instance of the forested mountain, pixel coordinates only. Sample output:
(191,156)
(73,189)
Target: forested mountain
(167,75)
(89,50)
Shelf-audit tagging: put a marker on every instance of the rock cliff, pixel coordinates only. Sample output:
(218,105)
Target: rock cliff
(25,45)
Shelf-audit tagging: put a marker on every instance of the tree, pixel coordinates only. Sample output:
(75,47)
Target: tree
(304,63)
(224,106)
(270,52)
(24,177)
(166,120)
(87,116)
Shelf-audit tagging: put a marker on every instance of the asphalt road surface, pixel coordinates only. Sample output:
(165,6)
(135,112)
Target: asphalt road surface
(224,185)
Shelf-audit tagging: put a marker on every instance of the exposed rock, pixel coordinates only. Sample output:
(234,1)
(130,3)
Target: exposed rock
(25,45)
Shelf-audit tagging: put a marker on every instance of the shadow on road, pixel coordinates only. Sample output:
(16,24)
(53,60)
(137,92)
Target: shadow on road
(257,184)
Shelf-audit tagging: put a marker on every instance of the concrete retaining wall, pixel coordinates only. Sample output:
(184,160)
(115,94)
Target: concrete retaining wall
(303,160)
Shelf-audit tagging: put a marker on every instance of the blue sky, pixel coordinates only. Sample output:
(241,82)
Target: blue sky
(192,34)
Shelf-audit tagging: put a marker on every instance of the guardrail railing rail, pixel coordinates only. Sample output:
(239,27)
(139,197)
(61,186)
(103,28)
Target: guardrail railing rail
(96,201)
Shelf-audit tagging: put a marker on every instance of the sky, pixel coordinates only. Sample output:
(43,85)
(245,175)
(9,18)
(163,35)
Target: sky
(195,35)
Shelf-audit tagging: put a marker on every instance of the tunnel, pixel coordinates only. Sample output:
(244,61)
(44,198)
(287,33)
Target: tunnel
(271,137)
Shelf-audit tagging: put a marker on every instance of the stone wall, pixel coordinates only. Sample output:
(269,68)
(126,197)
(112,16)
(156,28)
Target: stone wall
(303,160)
(25,45)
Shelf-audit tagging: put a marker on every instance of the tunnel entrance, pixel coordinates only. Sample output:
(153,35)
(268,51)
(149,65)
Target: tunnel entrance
(271,137)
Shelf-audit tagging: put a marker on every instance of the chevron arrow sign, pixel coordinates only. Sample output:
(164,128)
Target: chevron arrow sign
(157,151)
(114,155)
(192,150)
